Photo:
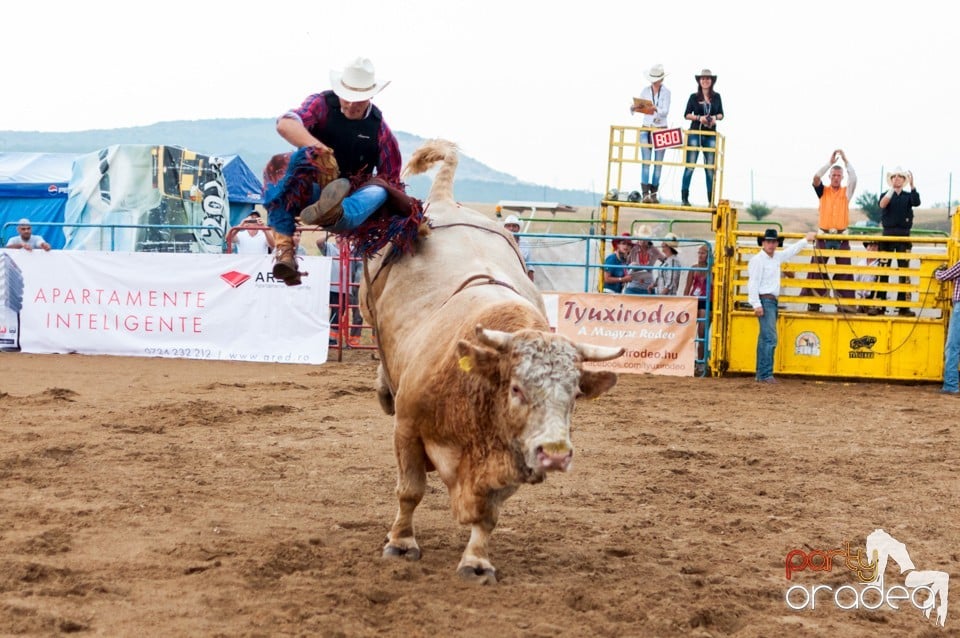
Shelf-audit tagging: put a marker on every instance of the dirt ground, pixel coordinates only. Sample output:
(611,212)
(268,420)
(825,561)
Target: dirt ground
(159,497)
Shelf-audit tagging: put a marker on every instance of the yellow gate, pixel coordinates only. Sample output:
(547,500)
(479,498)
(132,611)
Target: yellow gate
(831,343)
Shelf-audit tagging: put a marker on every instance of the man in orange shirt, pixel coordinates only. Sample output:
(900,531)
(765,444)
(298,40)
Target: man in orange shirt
(834,219)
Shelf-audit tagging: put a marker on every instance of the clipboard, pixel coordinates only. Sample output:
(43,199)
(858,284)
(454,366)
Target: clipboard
(641,104)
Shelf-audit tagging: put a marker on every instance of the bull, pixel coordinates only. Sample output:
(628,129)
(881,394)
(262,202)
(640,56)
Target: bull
(481,390)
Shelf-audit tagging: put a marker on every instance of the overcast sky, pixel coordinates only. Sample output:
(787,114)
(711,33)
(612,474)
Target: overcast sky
(528,87)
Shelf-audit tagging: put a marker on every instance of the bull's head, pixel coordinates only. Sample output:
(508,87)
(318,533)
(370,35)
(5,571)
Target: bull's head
(536,377)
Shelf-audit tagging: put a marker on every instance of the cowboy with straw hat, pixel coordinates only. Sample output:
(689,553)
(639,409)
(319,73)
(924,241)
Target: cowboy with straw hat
(346,166)
(655,101)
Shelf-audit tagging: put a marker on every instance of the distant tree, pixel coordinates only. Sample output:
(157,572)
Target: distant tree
(869,203)
(759,210)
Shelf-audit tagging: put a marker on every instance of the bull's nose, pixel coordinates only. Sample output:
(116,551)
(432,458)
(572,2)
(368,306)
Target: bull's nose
(554,457)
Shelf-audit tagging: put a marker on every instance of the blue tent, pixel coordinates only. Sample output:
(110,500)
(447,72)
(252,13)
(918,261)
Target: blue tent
(244,189)
(34,186)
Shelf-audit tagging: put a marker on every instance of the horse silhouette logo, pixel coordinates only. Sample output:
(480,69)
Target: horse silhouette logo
(882,547)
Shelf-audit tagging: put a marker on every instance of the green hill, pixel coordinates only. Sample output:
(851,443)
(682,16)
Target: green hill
(256,140)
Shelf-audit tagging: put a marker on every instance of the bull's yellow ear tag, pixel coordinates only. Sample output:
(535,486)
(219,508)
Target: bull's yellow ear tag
(466,364)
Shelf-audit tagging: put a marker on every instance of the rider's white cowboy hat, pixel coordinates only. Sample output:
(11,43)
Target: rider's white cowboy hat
(357,82)
(511,220)
(656,73)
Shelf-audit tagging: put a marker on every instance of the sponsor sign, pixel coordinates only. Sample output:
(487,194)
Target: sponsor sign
(193,306)
(658,333)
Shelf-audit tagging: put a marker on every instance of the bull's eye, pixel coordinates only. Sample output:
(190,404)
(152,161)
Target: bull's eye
(517,393)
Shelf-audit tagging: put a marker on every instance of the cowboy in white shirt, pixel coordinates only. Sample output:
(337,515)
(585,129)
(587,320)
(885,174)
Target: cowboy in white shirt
(763,289)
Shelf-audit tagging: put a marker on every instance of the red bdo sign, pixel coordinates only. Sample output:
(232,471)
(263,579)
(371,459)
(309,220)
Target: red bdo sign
(667,138)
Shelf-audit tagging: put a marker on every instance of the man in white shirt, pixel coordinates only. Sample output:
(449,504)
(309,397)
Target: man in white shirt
(25,239)
(763,289)
(252,241)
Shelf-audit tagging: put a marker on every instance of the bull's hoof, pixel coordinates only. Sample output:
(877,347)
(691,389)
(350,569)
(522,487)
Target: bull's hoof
(392,551)
(478,575)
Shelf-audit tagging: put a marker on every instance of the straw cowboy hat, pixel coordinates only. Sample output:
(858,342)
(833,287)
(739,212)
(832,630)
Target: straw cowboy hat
(643,232)
(656,73)
(672,241)
(357,82)
(706,73)
(898,171)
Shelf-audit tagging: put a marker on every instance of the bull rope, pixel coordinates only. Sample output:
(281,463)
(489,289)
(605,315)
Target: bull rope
(389,259)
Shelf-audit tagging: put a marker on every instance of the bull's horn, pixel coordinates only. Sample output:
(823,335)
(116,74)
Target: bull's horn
(494,338)
(598,353)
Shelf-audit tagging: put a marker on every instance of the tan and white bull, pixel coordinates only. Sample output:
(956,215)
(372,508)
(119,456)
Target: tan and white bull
(481,390)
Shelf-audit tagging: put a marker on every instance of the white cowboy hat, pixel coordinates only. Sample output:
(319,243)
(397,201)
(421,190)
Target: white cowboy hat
(671,240)
(897,171)
(511,219)
(357,82)
(642,232)
(656,73)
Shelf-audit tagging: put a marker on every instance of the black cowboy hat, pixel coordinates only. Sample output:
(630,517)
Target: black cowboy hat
(770,233)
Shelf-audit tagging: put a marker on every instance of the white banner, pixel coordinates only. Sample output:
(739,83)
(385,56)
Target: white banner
(186,305)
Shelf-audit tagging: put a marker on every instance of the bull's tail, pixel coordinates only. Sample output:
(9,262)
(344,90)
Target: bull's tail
(431,152)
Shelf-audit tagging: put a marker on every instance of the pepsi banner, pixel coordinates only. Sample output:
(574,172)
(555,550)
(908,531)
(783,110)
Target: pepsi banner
(191,306)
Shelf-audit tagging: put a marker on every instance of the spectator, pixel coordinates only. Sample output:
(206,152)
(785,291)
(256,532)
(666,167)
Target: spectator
(356,272)
(763,289)
(615,265)
(248,239)
(299,250)
(704,110)
(512,224)
(654,117)
(697,287)
(897,221)
(25,239)
(863,293)
(834,219)
(642,259)
(328,248)
(951,351)
(667,280)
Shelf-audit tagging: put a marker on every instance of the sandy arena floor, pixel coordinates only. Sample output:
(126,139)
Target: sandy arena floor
(157,497)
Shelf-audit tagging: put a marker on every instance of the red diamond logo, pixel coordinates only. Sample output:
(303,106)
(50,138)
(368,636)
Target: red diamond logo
(234,278)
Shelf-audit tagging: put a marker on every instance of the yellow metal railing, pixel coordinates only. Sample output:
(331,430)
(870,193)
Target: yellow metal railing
(625,157)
